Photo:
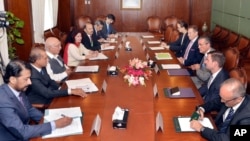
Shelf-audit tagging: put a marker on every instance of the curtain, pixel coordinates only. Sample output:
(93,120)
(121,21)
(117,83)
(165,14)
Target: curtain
(38,20)
(55,12)
(3,46)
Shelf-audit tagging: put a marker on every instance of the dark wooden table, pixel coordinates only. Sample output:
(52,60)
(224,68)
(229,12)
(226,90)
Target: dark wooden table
(143,106)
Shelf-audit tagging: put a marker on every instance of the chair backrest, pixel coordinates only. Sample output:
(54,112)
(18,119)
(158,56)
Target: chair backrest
(232,58)
(82,20)
(243,43)
(170,20)
(223,34)
(101,17)
(174,35)
(168,34)
(154,24)
(232,39)
(216,31)
(240,74)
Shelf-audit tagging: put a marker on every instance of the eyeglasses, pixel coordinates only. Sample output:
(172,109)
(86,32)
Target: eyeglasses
(226,101)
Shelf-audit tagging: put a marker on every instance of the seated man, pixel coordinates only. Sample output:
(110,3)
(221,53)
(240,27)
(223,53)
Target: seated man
(56,68)
(108,30)
(214,63)
(202,73)
(180,43)
(190,54)
(16,110)
(89,40)
(97,31)
(43,89)
(234,111)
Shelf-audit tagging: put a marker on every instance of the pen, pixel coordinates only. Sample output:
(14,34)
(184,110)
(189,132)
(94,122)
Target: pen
(68,116)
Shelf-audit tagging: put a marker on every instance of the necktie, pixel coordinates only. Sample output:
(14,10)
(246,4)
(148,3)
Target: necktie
(187,50)
(91,41)
(209,81)
(183,36)
(42,73)
(21,99)
(202,63)
(227,120)
(108,28)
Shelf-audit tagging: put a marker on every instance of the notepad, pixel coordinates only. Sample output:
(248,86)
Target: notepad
(163,56)
(74,128)
(184,93)
(170,66)
(100,56)
(157,48)
(154,42)
(147,36)
(182,124)
(177,72)
(93,68)
(108,48)
(85,83)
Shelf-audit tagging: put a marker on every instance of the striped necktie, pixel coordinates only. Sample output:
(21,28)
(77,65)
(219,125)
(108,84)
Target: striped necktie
(227,121)
(187,50)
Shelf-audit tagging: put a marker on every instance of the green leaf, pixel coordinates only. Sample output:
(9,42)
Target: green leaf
(20,24)
(11,21)
(16,32)
(20,41)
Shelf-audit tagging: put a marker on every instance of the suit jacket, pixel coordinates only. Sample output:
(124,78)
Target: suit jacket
(241,117)
(15,117)
(105,32)
(43,89)
(87,43)
(97,34)
(194,55)
(178,45)
(214,89)
(203,73)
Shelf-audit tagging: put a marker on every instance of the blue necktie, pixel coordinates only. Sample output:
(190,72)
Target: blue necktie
(226,122)
(108,28)
(42,73)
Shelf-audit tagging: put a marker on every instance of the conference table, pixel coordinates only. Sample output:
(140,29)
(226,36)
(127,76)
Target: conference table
(141,102)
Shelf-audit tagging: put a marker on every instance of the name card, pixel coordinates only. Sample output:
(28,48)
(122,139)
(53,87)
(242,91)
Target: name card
(159,122)
(96,126)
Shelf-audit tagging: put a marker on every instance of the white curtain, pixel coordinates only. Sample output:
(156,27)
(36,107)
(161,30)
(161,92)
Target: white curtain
(38,20)
(3,45)
(55,11)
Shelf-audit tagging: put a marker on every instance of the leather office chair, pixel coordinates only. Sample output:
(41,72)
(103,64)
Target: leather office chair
(221,37)
(231,41)
(82,20)
(154,24)
(232,58)
(170,20)
(168,34)
(240,74)
(174,35)
(101,17)
(243,45)
(215,32)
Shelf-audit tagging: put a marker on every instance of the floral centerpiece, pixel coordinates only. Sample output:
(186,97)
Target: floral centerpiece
(136,72)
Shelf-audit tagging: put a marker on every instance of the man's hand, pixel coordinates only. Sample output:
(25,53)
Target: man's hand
(62,122)
(196,125)
(78,92)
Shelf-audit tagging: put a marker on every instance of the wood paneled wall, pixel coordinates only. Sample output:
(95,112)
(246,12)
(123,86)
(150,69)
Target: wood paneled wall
(22,9)
(193,11)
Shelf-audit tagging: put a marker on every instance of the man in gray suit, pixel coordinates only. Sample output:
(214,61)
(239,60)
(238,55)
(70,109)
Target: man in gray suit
(202,73)
(16,110)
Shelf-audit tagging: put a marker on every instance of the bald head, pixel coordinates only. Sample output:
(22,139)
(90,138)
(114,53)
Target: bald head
(53,45)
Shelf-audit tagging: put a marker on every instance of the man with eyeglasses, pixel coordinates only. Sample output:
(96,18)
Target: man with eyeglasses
(202,73)
(56,68)
(233,110)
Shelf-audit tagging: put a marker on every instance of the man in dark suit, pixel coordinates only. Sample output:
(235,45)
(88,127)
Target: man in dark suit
(97,31)
(16,110)
(190,54)
(43,89)
(56,68)
(89,40)
(234,111)
(214,63)
(108,30)
(183,39)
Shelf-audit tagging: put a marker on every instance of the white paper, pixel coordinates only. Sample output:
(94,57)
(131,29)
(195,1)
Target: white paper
(159,121)
(118,114)
(100,56)
(86,84)
(93,68)
(157,48)
(112,68)
(147,36)
(185,123)
(108,48)
(170,66)
(154,42)
(74,128)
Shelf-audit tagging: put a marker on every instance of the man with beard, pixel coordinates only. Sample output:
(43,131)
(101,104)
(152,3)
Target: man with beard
(16,110)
